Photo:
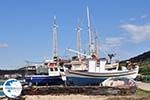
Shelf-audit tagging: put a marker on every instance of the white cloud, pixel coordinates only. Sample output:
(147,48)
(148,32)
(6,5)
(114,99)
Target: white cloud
(138,33)
(111,43)
(3,45)
(114,41)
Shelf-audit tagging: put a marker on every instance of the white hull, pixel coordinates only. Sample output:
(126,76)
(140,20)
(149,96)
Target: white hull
(95,78)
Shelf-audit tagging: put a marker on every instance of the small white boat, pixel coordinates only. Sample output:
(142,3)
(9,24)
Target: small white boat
(97,74)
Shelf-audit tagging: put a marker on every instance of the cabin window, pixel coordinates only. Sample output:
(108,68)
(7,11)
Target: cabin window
(62,70)
(51,69)
(45,64)
(56,69)
(31,67)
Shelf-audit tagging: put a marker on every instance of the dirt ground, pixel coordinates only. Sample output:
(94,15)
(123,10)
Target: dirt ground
(84,97)
(144,86)
(80,97)
(66,97)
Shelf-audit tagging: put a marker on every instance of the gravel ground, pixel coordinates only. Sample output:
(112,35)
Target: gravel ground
(65,97)
(144,86)
(84,97)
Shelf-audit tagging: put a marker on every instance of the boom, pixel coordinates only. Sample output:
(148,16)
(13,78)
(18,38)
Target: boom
(77,52)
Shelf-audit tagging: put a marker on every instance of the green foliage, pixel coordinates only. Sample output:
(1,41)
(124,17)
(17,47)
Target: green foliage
(145,70)
(143,61)
(146,62)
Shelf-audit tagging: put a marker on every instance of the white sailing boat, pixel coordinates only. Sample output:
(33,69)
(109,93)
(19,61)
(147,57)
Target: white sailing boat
(96,70)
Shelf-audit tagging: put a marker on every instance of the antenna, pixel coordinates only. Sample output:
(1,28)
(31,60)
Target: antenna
(54,29)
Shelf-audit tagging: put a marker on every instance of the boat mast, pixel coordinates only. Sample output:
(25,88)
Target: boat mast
(93,39)
(54,29)
(89,29)
(78,38)
(96,42)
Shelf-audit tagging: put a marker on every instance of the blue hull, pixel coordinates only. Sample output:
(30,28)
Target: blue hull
(82,81)
(44,80)
(1,91)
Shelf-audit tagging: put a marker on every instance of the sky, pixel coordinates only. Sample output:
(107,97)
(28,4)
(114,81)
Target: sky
(123,27)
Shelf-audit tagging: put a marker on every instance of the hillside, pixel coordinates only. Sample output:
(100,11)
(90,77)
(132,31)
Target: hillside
(143,60)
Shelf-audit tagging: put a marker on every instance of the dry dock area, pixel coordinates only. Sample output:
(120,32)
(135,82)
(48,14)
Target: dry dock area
(83,93)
